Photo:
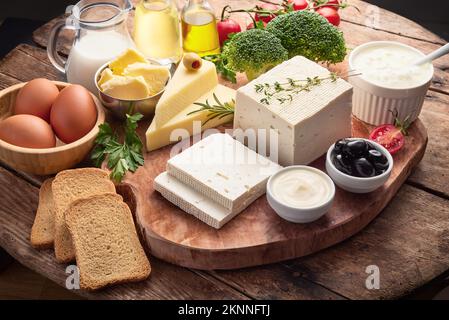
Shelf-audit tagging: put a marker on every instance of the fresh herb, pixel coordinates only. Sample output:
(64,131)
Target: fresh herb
(402,125)
(218,110)
(220,62)
(283,92)
(121,157)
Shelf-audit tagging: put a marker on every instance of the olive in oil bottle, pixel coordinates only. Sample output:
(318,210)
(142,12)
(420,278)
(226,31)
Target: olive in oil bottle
(199,28)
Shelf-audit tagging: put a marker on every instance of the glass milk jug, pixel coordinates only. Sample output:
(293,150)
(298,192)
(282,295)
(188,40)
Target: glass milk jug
(101,34)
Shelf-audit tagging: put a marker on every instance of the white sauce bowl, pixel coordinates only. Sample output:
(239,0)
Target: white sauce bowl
(297,214)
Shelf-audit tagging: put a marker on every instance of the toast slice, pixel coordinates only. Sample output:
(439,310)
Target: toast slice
(68,186)
(108,250)
(43,230)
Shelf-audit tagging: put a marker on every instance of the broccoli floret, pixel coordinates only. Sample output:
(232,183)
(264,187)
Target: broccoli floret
(254,52)
(310,35)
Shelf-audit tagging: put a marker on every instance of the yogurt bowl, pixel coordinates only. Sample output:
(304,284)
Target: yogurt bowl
(388,82)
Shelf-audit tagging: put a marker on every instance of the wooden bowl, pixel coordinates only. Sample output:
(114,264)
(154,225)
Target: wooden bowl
(49,160)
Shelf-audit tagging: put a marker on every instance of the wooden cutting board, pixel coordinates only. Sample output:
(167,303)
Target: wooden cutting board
(258,235)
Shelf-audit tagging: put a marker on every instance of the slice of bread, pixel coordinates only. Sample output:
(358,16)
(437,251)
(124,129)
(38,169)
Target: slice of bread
(43,230)
(108,250)
(68,186)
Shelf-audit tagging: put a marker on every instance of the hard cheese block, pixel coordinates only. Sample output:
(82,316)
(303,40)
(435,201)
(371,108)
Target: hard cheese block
(165,135)
(309,123)
(224,170)
(192,201)
(183,89)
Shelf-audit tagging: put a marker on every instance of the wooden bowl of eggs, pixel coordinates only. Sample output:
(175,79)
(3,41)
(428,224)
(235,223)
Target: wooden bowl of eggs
(47,126)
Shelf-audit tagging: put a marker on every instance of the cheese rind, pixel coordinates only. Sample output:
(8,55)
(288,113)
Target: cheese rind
(307,125)
(185,87)
(224,170)
(159,137)
(192,201)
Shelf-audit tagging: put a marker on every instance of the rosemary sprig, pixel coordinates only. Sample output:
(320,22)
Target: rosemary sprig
(283,92)
(218,110)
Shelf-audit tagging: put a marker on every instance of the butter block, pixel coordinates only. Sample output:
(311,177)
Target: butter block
(106,75)
(192,201)
(128,57)
(126,88)
(155,76)
(159,137)
(223,170)
(185,87)
(309,123)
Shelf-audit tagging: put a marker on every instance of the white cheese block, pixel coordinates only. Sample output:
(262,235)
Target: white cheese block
(224,170)
(308,124)
(192,201)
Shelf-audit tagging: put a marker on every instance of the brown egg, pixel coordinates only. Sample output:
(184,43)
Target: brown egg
(73,114)
(27,131)
(36,98)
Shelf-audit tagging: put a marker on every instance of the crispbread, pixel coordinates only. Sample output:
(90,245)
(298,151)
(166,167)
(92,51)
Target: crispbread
(43,230)
(106,244)
(68,186)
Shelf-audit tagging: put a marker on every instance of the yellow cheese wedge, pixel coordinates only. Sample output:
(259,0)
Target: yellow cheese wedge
(128,57)
(106,75)
(160,137)
(183,89)
(155,76)
(126,88)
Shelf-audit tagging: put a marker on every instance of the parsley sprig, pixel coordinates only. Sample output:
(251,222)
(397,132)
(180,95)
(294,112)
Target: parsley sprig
(121,157)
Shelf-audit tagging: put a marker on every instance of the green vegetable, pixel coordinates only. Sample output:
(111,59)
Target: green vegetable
(254,52)
(310,35)
(121,157)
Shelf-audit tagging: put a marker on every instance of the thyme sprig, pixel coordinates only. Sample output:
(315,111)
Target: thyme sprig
(284,91)
(218,110)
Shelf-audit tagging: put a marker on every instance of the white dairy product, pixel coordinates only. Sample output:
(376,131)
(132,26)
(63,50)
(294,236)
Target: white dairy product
(391,65)
(92,51)
(301,188)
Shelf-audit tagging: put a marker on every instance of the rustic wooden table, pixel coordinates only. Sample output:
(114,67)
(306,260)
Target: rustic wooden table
(408,241)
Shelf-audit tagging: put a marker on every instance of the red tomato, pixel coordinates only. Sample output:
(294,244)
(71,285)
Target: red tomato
(389,137)
(299,4)
(330,14)
(226,27)
(251,25)
(266,17)
(334,4)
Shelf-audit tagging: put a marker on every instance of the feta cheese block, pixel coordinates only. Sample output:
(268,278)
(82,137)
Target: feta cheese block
(185,87)
(309,123)
(159,137)
(192,201)
(224,170)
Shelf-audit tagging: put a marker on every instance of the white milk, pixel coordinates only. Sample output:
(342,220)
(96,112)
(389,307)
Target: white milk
(94,49)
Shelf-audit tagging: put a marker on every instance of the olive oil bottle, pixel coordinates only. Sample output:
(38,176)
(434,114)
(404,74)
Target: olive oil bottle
(199,28)
(157,32)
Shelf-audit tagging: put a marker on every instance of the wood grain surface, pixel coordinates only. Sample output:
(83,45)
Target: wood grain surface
(408,240)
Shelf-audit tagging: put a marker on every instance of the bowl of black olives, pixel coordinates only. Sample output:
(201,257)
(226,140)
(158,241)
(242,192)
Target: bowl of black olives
(358,165)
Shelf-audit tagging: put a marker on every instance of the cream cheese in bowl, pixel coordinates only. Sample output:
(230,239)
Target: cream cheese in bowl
(391,66)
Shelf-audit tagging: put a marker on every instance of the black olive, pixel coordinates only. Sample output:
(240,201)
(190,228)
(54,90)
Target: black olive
(363,168)
(357,148)
(342,164)
(379,171)
(339,145)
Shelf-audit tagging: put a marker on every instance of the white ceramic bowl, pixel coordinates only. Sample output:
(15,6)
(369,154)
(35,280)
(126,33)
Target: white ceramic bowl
(358,184)
(372,103)
(295,214)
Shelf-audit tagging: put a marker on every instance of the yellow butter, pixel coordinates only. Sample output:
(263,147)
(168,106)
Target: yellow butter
(106,75)
(128,57)
(126,88)
(155,76)
(183,89)
(159,137)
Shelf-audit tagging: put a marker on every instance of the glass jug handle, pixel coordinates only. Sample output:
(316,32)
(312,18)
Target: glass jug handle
(52,52)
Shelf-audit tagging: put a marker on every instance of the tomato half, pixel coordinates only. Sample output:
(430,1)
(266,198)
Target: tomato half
(389,137)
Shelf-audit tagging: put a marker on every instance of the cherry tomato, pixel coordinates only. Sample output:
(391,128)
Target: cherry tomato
(389,137)
(299,4)
(330,14)
(251,25)
(268,17)
(334,4)
(226,27)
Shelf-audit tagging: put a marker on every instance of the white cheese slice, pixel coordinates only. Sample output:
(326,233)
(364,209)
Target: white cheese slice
(192,201)
(309,123)
(224,170)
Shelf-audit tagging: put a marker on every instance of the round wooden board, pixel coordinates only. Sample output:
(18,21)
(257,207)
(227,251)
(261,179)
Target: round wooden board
(258,235)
